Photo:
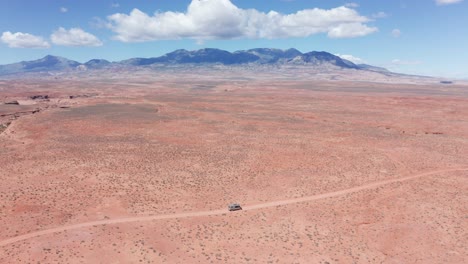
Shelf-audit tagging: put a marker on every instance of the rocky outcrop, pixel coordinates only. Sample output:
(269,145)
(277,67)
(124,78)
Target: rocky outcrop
(81,96)
(4,126)
(39,97)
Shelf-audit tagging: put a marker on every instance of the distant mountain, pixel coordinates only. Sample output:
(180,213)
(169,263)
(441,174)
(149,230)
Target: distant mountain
(48,63)
(97,64)
(198,56)
(267,56)
(321,57)
(260,56)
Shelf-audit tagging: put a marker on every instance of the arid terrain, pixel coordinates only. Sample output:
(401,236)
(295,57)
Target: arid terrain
(140,169)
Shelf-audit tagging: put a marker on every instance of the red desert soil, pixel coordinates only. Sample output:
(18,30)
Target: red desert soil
(142,172)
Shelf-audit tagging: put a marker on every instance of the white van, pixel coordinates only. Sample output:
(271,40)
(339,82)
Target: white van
(234,207)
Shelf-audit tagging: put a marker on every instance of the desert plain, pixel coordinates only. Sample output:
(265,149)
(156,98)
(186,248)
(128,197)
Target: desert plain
(140,169)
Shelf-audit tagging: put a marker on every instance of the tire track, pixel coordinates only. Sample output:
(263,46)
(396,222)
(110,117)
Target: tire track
(221,211)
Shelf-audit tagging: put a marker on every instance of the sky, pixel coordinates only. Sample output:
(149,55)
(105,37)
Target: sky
(426,37)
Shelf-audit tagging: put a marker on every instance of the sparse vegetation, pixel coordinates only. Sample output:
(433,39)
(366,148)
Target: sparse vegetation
(114,156)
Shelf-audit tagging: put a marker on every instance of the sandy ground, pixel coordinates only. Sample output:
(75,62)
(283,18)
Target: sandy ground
(131,171)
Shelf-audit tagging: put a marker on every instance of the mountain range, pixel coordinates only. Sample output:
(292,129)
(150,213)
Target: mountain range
(260,56)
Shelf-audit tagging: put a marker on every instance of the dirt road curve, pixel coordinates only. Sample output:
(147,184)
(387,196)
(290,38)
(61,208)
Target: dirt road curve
(221,211)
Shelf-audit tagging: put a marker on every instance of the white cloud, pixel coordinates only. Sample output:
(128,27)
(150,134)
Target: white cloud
(396,33)
(351,58)
(351,30)
(352,5)
(74,37)
(115,5)
(447,2)
(405,62)
(380,15)
(221,19)
(23,40)
(63,9)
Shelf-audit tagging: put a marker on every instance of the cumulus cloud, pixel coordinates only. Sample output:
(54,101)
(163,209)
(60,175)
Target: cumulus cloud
(352,5)
(351,58)
(396,33)
(221,19)
(23,40)
(447,2)
(63,9)
(350,30)
(74,37)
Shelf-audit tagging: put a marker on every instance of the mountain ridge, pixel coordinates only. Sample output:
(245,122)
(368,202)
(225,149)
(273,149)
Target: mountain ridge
(260,56)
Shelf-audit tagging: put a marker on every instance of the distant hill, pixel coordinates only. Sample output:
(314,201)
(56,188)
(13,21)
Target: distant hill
(260,56)
(48,63)
(97,64)
(322,57)
(196,57)
(269,56)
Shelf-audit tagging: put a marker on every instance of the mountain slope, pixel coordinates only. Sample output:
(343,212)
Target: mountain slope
(321,57)
(97,64)
(372,68)
(273,55)
(48,63)
(197,56)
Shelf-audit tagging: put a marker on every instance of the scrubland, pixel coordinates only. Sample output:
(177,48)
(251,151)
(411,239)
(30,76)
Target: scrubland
(128,149)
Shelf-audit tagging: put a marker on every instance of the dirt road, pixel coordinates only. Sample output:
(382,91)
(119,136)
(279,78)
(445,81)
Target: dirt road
(223,211)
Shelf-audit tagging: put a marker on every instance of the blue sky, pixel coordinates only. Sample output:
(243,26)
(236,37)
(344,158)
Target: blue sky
(428,37)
